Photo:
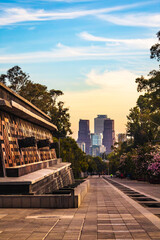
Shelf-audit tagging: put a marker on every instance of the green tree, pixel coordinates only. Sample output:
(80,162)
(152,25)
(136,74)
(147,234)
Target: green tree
(41,97)
(139,126)
(115,155)
(3,78)
(16,78)
(101,166)
(155,49)
(92,166)
(70,152)
(144,119)
(61,118)
(38,95)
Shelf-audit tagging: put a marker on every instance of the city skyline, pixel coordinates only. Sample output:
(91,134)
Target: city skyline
(99,141)
(91,50)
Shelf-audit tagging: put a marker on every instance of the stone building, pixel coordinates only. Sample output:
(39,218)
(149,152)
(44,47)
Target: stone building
(84,134)
(99,124)
(27,149)
(108,134)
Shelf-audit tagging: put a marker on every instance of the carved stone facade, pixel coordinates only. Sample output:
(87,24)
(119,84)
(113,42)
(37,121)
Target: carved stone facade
(19,119)
(13,128)
(26,146)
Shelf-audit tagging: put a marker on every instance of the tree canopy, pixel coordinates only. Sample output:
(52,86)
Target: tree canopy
(16,78)
(46,100)
(155,49)
(139,156)
(41,97)
(144,119)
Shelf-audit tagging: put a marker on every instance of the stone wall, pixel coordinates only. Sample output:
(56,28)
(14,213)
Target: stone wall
(62,178)
(28,162)
(72,200)
(13,128)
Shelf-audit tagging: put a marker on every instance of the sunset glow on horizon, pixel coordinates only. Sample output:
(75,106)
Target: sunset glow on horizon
(92,50)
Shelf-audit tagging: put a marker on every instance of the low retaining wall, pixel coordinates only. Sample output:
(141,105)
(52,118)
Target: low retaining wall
(72,200)
(80,192)
(43,181)
(18,171)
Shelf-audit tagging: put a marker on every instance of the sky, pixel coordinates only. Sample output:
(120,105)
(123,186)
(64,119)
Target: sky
(92,50)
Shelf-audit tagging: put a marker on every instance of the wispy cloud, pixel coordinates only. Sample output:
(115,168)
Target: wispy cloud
(31,28)
(138,19)
(110,79)
(66,53)
(18,15)
(68,1)
(134,43)
(115,93)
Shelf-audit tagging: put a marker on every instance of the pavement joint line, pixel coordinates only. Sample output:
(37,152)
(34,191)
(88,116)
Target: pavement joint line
(3,215)
(147,195)
(145,212)
(107,218)
(80,232)
(48,216)
(116,224)
(122,231)
(50,230)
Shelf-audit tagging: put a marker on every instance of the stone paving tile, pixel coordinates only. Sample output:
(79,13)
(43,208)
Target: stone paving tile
(6,236)
(106,236)
(55,236)
(103,221)
(140,236)
(104,227)
(119,228)
(21,236)
(89,237)
(73,236)
(104,214)
(123,235)
(36,236)
(155,234)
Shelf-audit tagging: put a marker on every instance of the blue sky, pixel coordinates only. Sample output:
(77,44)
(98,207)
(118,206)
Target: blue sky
(88,49)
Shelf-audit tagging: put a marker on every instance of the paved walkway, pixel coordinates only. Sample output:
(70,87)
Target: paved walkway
(145,187)
(104,214)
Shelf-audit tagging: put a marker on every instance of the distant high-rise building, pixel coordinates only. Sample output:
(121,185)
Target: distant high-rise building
(122,137)
(99,124)
(96,139)
(108,134)
(82,146)
(96,150)
(84,134)
(96,147)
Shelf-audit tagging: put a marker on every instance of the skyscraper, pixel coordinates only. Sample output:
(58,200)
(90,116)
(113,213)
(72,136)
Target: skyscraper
(82,146)
(122,137)
(96,139)
(108,134)
(96,147)
(84,134)
(99,124)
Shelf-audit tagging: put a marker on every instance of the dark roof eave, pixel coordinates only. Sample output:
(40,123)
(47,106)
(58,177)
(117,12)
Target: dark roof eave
(23,99)
(22,112)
